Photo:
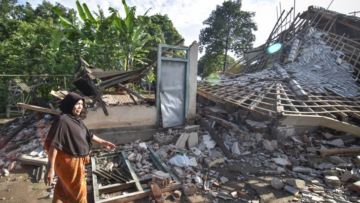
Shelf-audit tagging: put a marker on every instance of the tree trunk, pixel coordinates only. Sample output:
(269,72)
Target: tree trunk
(226,50)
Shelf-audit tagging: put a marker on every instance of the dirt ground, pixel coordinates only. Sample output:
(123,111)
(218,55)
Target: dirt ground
(19,187)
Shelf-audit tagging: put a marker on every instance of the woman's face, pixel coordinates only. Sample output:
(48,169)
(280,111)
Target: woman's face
(78,108)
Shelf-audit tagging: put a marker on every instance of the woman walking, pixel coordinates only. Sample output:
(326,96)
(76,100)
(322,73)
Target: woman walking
(68,145)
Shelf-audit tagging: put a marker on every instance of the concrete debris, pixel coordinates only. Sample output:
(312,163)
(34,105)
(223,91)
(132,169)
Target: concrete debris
(224,179)
(256,126)
(335,143)
(251,159)
(181,142)
(235,148)
(193,140)
(270,145)
(292,190)
(277,183)
(282,161)
(297,183)
(332,181)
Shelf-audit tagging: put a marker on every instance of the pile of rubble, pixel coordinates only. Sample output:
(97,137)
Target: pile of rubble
(229,158)
(22,141)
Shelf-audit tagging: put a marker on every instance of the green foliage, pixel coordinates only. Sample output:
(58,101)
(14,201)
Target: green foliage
(49,39)
(228,29)
(161,30)
(212,63)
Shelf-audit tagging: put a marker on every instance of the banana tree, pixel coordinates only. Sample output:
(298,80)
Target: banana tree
(132,37)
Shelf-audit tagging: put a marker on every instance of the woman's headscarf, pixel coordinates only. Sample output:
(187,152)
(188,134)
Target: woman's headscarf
(68,103)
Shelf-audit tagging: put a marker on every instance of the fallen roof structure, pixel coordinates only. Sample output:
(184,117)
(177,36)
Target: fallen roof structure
(312,81)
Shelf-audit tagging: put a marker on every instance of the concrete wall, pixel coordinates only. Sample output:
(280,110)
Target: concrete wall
(121,116)
(192,81)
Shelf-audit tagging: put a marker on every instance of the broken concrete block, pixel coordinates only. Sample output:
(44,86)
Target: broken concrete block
(234,194)
(317,198)
(332,181)
(297,183)
(277,183)
(291,190)
(325,165)
(193,139)
(257,126)
(330,172)
(270,145)
(235,148)
(259,137)
(132,157)
(327,135)
(191,128)
(336,160)
(302,169)
(196,151)
(335,143)
(181,142)
(138,157)
(212,162)
(224,179)
(267,197)
(282,161)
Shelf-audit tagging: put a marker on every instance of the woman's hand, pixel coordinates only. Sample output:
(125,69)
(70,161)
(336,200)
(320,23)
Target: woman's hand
(49,179)
(108,145)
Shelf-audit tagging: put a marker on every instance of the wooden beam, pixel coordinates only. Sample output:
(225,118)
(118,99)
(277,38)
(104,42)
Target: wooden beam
(312,120)
(30,160)
(38,108)
(339,151)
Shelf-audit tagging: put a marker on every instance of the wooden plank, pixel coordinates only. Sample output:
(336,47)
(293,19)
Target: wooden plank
(132,172)
(30,160)
(286,99)
(353,151)
(279,106)
(312,120)
(137,195)
(260,97)
(94,180)
(347,107)
(38,108)
(225,123)
(328,112)
(131,92)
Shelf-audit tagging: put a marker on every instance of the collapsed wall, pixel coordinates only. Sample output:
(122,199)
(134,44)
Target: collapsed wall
(311,82)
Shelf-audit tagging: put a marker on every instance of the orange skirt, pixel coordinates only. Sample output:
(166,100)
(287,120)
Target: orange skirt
(71,184)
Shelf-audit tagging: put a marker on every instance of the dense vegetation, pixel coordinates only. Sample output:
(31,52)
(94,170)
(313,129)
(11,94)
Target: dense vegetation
(228,29)
(49,39)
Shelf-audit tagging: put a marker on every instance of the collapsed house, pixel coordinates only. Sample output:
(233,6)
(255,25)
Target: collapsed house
(312,81)
(254,141)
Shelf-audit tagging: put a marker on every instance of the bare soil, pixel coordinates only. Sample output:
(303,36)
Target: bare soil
(19,187)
